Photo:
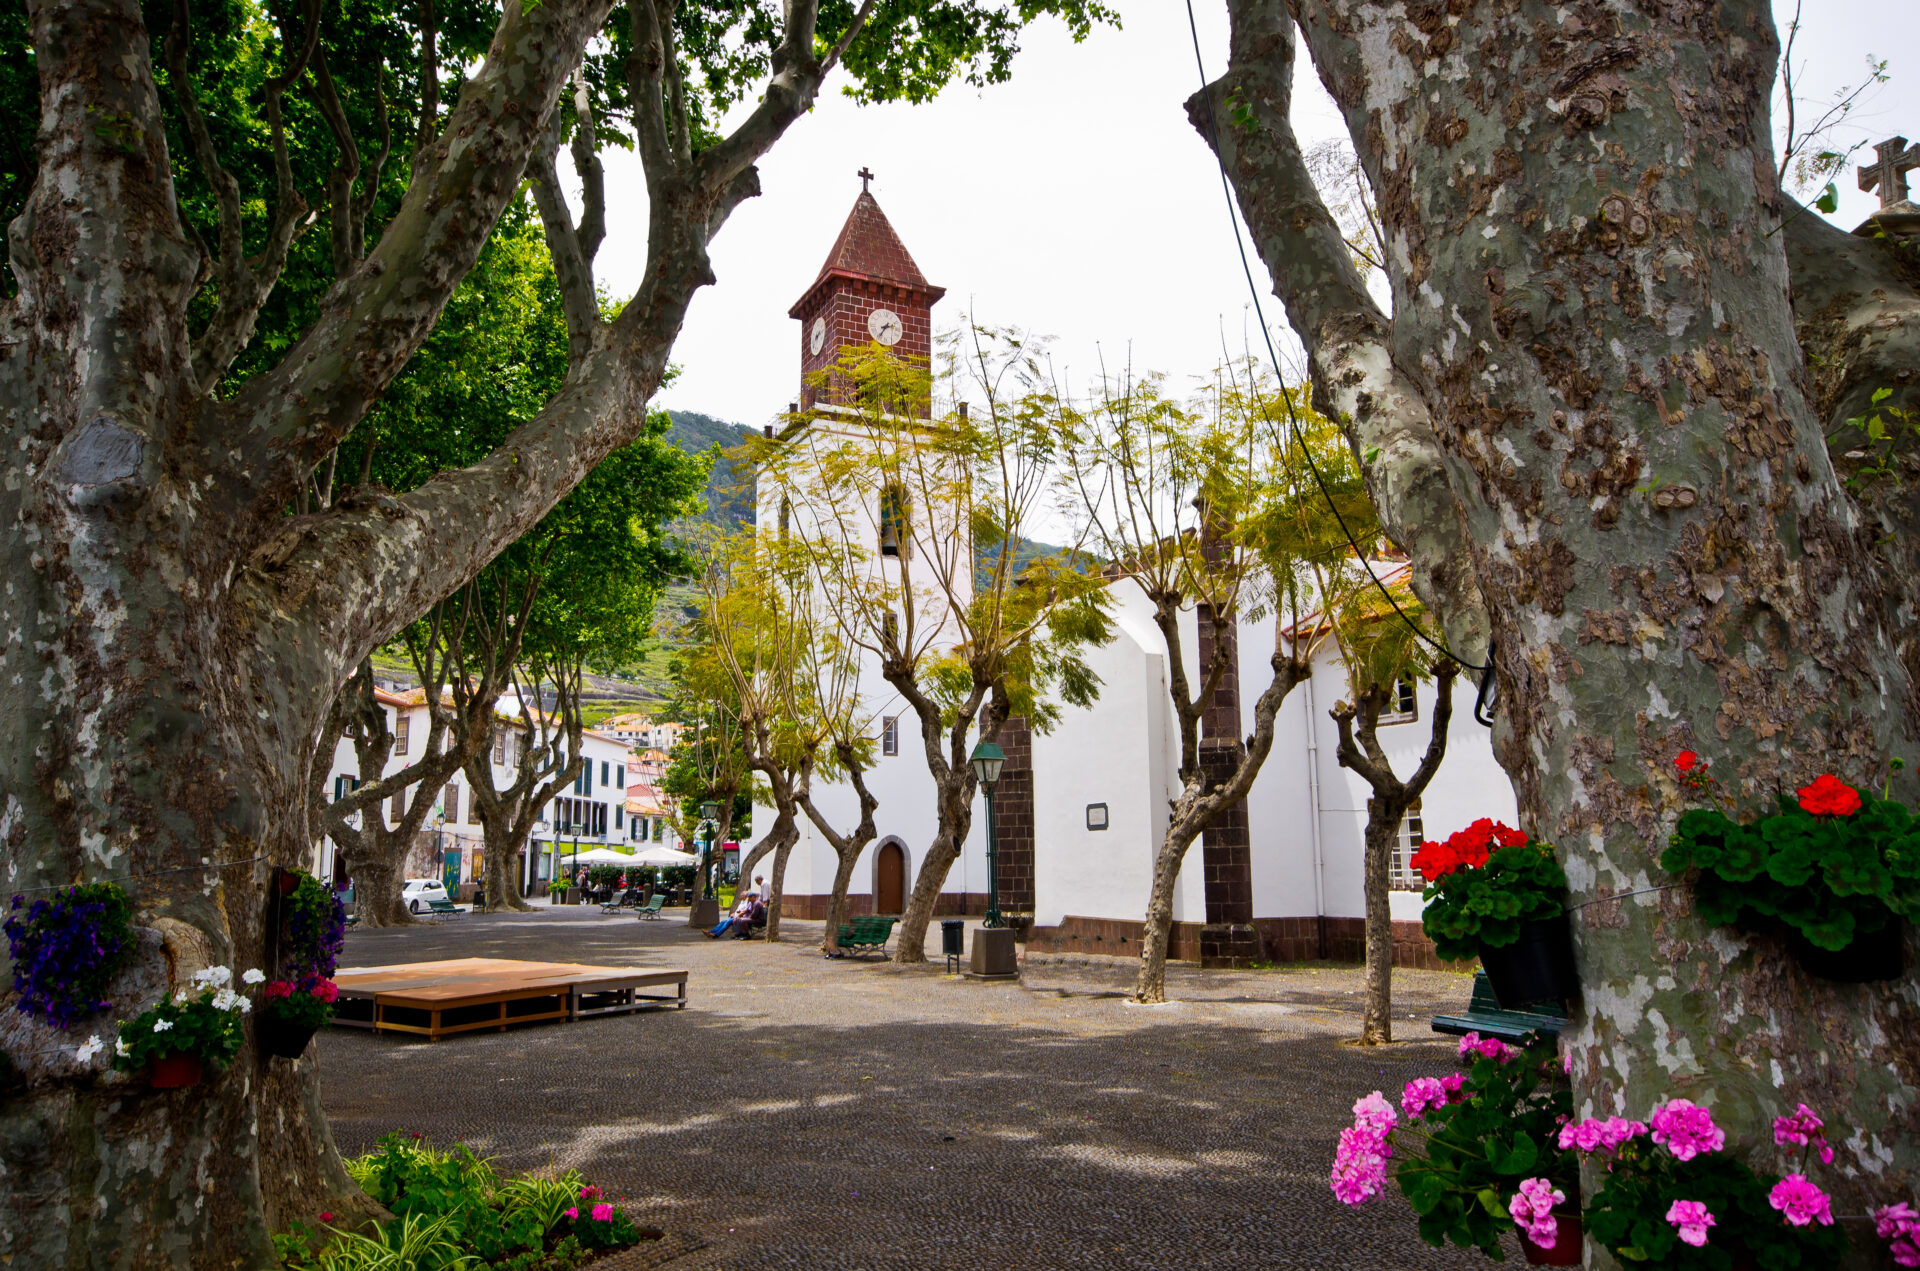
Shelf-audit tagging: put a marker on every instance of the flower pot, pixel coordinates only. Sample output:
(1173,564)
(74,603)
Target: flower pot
(1870,956)
(1537,967)
(283,1037)
(174,1071)
(288,882)
(1566,1249)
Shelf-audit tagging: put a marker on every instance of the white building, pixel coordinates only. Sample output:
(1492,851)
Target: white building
(1082,809)
(591,812)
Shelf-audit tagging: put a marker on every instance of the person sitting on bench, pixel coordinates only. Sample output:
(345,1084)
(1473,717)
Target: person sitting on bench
(756,919)
(741,914)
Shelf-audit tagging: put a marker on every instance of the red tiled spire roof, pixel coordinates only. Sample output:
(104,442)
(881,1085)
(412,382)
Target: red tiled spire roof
(869,250)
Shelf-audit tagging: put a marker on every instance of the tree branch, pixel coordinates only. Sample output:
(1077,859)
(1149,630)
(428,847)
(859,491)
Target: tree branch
(1355,380)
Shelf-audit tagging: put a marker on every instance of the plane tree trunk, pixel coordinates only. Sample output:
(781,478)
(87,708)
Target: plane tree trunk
(1591,294)
(178,636)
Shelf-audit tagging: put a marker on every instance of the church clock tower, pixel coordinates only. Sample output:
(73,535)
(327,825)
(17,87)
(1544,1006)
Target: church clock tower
(869,290)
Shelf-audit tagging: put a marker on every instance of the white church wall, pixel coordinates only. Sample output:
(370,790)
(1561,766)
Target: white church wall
(1115,753)
(1469,785)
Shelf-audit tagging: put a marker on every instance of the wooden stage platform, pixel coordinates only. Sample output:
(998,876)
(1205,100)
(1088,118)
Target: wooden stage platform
(434,999)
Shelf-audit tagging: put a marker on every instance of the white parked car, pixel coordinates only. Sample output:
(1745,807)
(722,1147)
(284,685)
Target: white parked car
(419,893)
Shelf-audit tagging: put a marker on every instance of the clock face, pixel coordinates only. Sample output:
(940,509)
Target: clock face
(884,324)
(817,339)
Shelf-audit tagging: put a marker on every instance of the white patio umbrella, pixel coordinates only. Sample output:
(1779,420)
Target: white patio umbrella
(604,856)
(661,856)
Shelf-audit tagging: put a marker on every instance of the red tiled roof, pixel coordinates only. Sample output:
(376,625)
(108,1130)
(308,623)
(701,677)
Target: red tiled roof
(868,249)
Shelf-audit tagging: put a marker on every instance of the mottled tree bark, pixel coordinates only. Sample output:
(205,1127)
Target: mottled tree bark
(177,637)
(1360,752)
(1590,286)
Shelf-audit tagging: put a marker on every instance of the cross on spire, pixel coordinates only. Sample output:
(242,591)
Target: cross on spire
(1895,158)
(866,176)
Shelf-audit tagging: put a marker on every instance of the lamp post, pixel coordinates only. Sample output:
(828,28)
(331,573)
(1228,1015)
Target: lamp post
(987,760)
(709,826)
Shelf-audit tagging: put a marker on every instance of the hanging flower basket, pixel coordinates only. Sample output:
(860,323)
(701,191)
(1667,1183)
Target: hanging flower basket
(171,1072)
(1836,866)
(66,948)
(1869,957)
(1494,895)
(283,1038)
(1566,1248)
(1536,967)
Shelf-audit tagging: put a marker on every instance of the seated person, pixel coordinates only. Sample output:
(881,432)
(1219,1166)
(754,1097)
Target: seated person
(756,916)
(741,915)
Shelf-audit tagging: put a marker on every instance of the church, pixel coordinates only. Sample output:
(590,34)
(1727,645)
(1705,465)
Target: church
(1081,808)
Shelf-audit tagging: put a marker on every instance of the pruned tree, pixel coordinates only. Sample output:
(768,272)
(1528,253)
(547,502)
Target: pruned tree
(1185,502)
(919,523)
(1641,371)
(191,609)
(542,746)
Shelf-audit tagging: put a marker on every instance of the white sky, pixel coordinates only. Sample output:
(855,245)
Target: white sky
(1074,201)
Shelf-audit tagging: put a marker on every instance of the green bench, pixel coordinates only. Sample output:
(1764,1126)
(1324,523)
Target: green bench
(867,934)
(1486,1017)
(652,908)
(443,907)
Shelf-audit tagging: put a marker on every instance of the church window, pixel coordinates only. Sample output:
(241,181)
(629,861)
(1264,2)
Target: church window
(890,735)
(893,521)
(1402,706)
(400,723)
(450,803)
(1401,875)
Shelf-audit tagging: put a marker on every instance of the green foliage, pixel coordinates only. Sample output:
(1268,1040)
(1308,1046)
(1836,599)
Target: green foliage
(1503,1129)
(1880,431)
(1628,1216)
(1828,877)
(1470,909)
(452,1211)
(205,1023)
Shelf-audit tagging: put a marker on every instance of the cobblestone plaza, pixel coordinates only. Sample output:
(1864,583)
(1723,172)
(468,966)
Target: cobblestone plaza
(806,1113)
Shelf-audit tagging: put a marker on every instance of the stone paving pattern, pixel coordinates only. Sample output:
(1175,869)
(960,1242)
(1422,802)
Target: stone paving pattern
(807,1113)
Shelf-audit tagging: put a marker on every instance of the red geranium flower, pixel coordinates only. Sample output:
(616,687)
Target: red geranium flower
(1686,760)
(1829,796)
(1465,849)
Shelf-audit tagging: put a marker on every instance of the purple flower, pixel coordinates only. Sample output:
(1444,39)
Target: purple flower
(1800,1202)
(1692,1218)
(1686,1129)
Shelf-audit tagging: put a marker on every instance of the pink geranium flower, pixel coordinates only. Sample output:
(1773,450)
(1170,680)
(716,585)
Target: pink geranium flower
(603,1213)
(1692,1218)
(1801,1126)
(1360,1164)
(1595,1135)
(572,1211)
(1532,1210)
(1422,1094)
(1800,1202)
(1374,1112)
(1686,1129)
(1899,1225)
(1452,1083)
(1473,1045)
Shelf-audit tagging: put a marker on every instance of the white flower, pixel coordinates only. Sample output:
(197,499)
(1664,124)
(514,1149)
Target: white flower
(93,1047)
(254,975)
(213,977)
(228,1000)
(121,1048)
(181,997)
(162,1025)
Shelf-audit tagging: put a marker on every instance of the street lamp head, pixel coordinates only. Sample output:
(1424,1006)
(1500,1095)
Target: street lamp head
(986,761)
(710,811)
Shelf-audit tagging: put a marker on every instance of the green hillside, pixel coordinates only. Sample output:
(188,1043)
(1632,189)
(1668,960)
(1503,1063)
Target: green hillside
(729,492)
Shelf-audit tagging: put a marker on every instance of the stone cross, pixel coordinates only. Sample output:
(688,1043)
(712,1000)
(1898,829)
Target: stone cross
(1889,170)
(866,176)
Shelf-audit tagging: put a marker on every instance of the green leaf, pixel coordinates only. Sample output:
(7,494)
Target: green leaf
(1829,202)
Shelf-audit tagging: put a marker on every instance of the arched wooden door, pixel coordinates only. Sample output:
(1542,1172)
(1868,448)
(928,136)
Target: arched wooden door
(890,879)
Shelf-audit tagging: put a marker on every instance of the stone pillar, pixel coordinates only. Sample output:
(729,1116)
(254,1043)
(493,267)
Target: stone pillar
(1229,938)
(1013,818)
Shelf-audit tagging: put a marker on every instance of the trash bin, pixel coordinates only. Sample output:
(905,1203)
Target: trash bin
(953,938)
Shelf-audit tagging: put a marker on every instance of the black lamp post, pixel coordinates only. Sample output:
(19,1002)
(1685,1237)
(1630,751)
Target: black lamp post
(710,823)
(987,759)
